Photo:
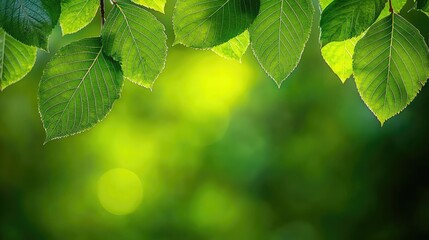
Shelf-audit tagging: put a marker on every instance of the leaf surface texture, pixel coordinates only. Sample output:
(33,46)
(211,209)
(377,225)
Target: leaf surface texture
(78,88)
(391,64)
(76,14)
(279,34)
(345,19)
(234,48)
(134,37)
(16,59)
(208,23)
(157,5)
(30,21)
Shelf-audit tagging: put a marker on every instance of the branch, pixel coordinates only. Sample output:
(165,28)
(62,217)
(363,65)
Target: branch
(102,12)
(390,6)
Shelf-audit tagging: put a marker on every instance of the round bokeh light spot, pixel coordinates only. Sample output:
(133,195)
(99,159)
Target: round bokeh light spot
(120,191)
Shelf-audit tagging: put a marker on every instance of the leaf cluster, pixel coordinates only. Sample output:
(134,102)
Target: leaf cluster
(367,39)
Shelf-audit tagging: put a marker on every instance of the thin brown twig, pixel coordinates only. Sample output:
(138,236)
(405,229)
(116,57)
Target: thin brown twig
(102,12)
(390,6)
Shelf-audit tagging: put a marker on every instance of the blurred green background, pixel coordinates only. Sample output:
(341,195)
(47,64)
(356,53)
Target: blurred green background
(217,151)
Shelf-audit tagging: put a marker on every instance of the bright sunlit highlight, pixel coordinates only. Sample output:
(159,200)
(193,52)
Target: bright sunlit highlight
(120,191)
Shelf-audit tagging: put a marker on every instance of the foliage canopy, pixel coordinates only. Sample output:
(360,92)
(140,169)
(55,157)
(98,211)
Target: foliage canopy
(367,39)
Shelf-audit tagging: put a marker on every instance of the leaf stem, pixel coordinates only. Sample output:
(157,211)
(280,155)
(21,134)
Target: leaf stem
(102,12)
(390,6)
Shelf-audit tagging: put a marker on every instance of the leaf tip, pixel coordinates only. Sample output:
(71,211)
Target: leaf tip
(149,86)
(145,84)
(382,120)
(47,139)
(3,87)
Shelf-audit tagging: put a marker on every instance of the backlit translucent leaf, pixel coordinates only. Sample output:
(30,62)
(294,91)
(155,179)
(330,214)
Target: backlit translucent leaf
(78,88)
(29,21)
(234,48)
(16,59)
(157,5)
(338,55)
(76,14)
(397,6)
(205,24)
(279,34)
(137,39)
(345,19)
(391,64)
(325,3)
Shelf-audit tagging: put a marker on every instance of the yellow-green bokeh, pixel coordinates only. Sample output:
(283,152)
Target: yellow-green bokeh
(120,191)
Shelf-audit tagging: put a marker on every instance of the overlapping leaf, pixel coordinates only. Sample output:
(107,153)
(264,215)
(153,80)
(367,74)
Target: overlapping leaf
(338,55)
(234,48)
(324,3)
(345,19)
(397,6)
(16,59)
(279,34)
(137,39)
(30,21)
(76,14)
(391,64)
(157,5)
(205,24)
(78,88)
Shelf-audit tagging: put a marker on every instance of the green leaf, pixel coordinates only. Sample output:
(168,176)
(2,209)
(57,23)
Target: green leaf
(325,3)
(338,55)
(76,14)
(279,35)
(391,64)
(29,21)
(205,24)
(234,48)
(345,19)
(78,88)
(157,5)
(16,59)
(397,6)
(137,39)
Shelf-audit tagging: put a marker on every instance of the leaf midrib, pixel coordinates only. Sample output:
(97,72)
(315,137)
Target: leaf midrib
(80,10)
(132,35)
(280,32)
(78,86)
(390,59)
(2,58)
